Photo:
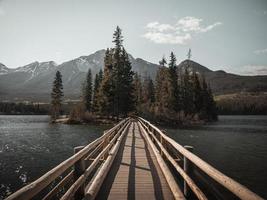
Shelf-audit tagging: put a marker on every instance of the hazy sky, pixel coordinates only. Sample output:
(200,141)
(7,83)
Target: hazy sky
(229,35)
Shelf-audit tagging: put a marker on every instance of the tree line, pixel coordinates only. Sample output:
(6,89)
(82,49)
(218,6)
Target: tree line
(175,96)
(10,108)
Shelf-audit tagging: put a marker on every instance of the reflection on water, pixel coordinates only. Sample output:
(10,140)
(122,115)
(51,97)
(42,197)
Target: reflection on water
(30,146)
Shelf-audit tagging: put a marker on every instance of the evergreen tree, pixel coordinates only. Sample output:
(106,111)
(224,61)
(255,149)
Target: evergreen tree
(174,97)
(148,93)
(117,61)
(56,96)
(163,62)
(163,92)
(212,108)
(189,54)
(126,98)
(209,110)
(151,91)
(187,93)
(117,85)
(97,83)
(198,100)
(106,91)
(88,91)
(137,83)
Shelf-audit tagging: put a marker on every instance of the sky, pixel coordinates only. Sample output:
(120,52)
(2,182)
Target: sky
(228,35)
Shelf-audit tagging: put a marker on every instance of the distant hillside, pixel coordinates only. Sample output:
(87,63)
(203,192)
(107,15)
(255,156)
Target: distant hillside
(222,82)
(33,81)
(242,103)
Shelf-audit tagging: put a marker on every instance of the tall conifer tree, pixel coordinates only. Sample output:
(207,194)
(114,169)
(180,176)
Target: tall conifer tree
(56,96)
(175,96)
(88,91)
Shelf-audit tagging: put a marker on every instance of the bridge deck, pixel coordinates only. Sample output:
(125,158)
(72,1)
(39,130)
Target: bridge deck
(135,173)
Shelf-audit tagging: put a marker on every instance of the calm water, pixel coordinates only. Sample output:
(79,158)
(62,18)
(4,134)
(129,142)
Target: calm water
(30,146)
(235,145)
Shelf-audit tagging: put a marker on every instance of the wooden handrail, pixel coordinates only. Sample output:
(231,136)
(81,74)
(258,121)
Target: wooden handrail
(94,187)
(189,181)
(70,192)
(177,193)
(236,188)
(105,149)
(32,189)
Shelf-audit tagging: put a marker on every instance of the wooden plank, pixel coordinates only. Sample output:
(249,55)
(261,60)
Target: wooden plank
(135,173)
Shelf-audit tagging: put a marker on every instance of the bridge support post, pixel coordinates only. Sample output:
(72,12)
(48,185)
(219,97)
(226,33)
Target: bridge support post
(187,169)
(79,168)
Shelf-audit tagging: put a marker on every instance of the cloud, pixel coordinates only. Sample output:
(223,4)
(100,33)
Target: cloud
(179,33)
(260,51)
(167,38)
(250,70)
(160,27)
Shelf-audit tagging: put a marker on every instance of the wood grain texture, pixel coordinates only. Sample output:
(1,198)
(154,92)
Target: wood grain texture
(135,173)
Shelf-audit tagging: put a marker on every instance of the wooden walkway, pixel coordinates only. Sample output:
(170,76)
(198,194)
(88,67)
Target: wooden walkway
(135,173)
(133,160)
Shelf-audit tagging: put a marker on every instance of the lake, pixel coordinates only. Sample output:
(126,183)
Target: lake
(30,146)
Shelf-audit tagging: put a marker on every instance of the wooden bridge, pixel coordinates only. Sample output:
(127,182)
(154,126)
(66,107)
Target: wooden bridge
(134,160)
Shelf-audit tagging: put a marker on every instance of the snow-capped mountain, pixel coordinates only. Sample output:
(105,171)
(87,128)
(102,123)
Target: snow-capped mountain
(3,69)
(35,69)
(34,81)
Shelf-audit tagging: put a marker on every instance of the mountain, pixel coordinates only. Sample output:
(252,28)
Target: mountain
(222,82)
(33,82)
(3,69)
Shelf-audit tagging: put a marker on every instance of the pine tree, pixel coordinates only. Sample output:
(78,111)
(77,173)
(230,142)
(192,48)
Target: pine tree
(212,108)
(137,83)
(106,90)
(209,106)
(97,83)
(117,61)
(163,62)
(187,93)
(175,96)
(163,93)
(88,92)
(126,98)
(151,91)
(198,100)
(56,96)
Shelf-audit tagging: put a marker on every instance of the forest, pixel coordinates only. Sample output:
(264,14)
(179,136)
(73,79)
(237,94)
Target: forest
(176,96)
(11,108)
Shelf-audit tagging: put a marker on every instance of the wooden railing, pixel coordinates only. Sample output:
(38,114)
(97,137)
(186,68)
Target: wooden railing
(74,172)
(180,157)
(81,175)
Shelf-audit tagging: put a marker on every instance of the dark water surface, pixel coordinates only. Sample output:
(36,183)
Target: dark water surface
(235,145)
(30,146)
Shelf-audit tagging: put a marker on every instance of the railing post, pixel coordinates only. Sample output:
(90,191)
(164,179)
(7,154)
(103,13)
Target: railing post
(161,141)
(79,168)
(187,169)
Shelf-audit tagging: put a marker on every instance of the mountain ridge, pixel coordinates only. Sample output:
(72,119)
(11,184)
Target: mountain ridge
(34,81)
